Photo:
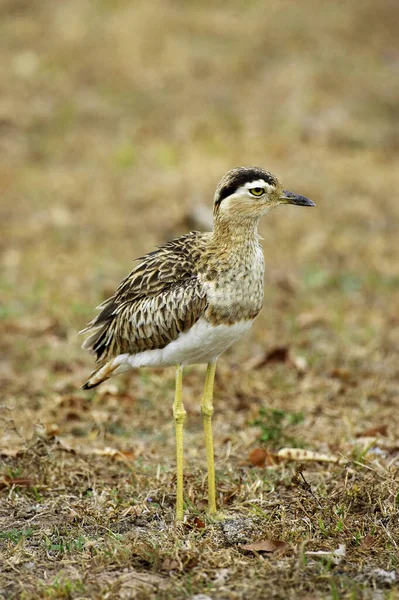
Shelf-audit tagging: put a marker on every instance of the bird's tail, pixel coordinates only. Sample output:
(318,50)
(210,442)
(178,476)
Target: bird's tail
(100,375)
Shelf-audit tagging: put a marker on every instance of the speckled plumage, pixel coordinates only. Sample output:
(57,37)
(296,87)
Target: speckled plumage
(159,299)
(171,288)
(215,276)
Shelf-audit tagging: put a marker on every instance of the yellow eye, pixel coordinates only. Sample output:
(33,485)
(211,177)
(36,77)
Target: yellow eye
(258,191)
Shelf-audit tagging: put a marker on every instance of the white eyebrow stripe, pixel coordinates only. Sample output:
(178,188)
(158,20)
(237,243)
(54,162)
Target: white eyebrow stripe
(258,183)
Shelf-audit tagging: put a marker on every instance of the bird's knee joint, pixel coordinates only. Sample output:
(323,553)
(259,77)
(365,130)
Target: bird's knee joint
(207,410)
(179,415)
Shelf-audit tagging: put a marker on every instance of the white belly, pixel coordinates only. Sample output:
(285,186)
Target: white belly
(203,343)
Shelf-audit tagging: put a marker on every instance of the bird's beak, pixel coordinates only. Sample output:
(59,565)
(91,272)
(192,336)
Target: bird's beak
(291,198)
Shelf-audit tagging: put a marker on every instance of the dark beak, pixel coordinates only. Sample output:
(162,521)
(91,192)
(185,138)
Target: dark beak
(291,198)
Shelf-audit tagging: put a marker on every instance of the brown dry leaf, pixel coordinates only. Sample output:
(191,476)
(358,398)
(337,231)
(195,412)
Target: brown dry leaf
(198,523)
(262,458)
(367,542)
(195,523)
(278,354)
(19,481)
(374,431)
(269,546)
(257,457)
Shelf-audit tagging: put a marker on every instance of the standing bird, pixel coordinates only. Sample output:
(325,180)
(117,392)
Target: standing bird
(190,300)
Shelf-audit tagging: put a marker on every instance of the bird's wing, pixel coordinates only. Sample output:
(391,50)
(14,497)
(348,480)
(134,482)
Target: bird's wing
(161,298)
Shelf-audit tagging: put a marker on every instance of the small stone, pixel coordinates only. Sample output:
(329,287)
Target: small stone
(238,531)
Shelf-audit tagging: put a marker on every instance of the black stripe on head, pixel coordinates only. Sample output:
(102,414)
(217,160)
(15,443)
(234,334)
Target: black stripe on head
(238,177)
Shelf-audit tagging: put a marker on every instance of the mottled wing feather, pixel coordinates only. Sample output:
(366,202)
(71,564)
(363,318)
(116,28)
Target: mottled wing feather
(161,298)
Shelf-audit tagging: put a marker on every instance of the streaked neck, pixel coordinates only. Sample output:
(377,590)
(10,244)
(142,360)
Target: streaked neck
(235,232)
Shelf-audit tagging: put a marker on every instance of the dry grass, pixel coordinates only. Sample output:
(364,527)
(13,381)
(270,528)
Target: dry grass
(116,119)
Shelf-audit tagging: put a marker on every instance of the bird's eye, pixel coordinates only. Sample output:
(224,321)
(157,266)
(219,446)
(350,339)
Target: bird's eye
(258,191)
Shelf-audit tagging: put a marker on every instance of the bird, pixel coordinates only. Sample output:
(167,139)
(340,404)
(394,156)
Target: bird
(189,300)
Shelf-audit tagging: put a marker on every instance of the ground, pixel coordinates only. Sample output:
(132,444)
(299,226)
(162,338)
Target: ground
(116,121)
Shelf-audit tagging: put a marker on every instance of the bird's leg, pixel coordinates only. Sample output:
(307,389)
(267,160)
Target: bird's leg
(179,414)
(207,412)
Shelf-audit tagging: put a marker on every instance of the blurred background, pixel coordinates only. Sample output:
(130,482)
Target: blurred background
(117,119)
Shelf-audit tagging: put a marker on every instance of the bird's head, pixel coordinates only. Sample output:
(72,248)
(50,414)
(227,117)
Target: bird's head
(250,192)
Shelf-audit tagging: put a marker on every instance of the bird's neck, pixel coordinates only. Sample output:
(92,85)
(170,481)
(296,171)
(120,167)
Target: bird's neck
(233,271)
(235,234)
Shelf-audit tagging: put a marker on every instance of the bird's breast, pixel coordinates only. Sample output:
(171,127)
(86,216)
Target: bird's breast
(236,294)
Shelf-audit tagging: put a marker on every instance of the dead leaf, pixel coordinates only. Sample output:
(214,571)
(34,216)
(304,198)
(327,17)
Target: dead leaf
(198,523)
(262,458)
(269,546)
(374,431)
(367,542)
(278,354)
(257,457)
(195,523)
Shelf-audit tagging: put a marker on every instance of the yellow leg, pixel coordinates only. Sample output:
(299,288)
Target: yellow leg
(179,414)
(207,412)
